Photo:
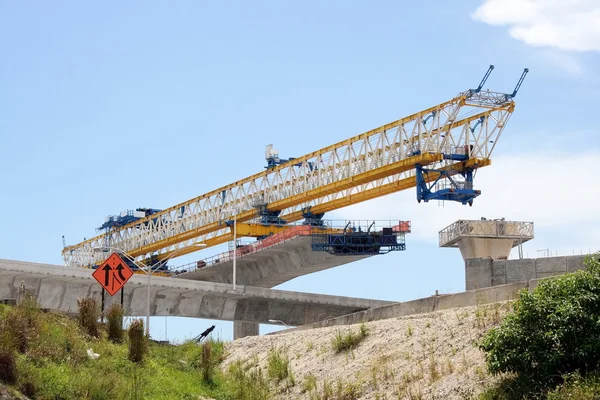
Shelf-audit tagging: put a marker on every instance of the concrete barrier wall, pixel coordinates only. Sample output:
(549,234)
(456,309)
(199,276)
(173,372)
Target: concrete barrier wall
(425,305)
(482,273)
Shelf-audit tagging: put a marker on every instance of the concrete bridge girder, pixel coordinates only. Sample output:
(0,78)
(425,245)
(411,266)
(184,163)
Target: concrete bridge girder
(59,288)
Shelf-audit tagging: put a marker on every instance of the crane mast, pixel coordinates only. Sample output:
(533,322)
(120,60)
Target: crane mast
(436,150)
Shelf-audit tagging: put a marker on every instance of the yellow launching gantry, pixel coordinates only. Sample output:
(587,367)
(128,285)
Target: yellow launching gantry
(437,150)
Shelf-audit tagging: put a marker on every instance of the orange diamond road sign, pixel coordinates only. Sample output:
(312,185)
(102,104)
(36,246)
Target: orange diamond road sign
(113,274)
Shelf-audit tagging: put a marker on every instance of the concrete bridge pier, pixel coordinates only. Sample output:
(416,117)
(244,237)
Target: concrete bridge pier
(242,329)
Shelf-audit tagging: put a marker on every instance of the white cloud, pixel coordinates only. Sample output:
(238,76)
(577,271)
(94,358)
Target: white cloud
(558,191)
(571,25)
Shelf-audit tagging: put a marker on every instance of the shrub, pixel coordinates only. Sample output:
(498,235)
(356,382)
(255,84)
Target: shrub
(88,315)
(137,341)
(553,330)
(114,315)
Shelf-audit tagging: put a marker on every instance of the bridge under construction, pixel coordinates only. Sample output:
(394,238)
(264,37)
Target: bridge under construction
(437,150)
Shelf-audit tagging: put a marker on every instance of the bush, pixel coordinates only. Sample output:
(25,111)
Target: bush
(114,315)
(88,315)
(137,341)
(553,330)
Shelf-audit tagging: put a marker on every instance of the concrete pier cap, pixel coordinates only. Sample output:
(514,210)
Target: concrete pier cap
(486,238)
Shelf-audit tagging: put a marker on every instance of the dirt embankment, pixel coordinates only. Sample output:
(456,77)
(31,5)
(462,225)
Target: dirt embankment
(428,356)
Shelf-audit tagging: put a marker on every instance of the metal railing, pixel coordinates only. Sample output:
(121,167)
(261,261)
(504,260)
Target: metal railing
(486,228)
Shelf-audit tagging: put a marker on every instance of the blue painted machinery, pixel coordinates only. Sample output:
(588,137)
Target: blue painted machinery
(352,241)
(126,217)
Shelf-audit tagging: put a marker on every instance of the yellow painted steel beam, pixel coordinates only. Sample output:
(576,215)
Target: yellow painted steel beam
(257,230)
(250,214)
(348,183)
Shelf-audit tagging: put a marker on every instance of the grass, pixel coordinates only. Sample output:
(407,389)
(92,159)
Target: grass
(278,365)
(310,383)
(54,364)
(573,386)
(114,315)
(350,340)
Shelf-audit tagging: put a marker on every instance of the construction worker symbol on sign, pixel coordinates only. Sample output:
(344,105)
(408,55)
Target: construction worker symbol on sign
(113,274)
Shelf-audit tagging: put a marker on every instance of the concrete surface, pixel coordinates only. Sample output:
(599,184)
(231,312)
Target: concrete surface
(243,329)
(468,298)
(484,272)
(424,305)
(268,268)
(58,288)
(486,238)
(272,266)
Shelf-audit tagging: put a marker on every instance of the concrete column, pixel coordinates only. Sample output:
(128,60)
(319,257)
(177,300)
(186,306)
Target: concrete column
(243,329)
(478,273)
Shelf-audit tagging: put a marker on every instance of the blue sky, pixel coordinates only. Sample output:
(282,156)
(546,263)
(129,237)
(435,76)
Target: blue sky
(112,106)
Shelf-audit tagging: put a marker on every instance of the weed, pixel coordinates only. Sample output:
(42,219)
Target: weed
(350,340)
(278,365)
(310,346)
(247,381)
(415,393)
(465,363)
(420,372)
(449,366)
(8,366)
(20,323)
(347,391)
(137,341)
(310,383)
(88,315)
(434,374)
(374,370)
(409,330)
(114,315)
(479,372)
(207,364)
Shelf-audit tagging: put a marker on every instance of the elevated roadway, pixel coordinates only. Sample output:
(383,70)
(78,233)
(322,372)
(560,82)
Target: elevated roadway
(58,288)
(269,266)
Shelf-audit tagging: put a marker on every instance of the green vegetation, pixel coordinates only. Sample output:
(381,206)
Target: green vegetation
(114,315)
(350,340)
(551,338)
(50,356)
(88,315)
(138,345)
(278,365)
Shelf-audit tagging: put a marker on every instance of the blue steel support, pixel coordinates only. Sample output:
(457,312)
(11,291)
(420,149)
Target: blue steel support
(462,192)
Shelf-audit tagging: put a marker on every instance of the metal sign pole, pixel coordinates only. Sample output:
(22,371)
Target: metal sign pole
(102,307)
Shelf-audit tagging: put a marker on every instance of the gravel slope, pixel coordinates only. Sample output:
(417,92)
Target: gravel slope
(428,356)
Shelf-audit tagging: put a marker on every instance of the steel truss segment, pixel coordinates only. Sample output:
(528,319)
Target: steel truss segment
(376,158)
